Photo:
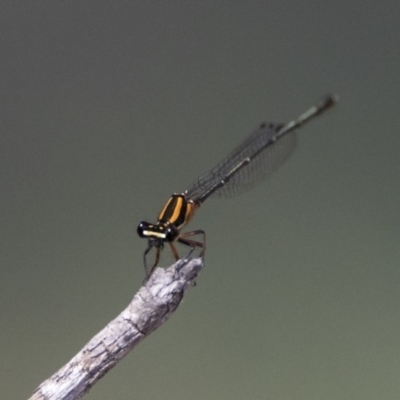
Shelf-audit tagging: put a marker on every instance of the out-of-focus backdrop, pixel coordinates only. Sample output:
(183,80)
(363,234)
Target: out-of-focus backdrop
(108,107)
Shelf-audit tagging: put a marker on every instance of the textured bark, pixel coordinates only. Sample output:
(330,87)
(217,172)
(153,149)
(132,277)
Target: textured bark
(152,305)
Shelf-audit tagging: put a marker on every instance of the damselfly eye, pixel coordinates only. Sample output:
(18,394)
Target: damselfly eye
(142,227)
(171,234)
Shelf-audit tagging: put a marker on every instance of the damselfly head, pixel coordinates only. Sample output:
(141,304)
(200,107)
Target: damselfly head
(159,232)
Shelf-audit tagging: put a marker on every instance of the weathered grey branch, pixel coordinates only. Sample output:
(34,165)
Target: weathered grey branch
(152,305)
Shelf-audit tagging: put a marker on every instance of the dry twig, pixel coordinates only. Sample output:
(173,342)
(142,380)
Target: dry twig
(152,305)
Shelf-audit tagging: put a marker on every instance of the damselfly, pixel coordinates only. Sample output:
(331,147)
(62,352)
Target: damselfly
(255,158)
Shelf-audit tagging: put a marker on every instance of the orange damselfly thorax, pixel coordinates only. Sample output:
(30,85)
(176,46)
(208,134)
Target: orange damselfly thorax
(174,216)
(261,153)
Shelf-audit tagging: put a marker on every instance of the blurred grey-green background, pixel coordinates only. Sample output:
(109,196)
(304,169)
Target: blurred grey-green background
(109,107)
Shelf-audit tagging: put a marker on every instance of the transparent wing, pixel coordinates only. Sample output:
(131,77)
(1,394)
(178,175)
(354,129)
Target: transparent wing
(265,153)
